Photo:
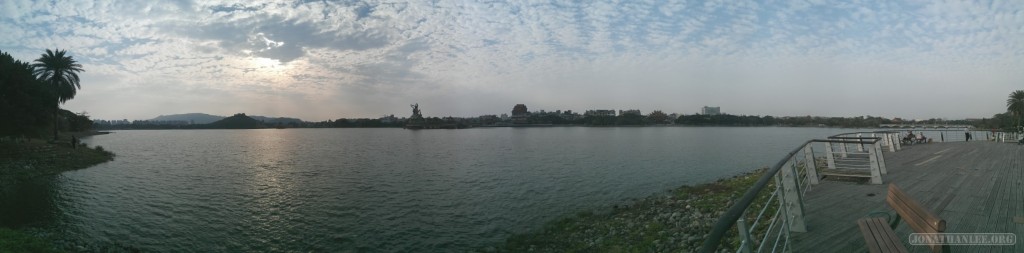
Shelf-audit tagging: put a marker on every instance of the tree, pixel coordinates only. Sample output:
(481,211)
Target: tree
(23,99)
(658,117)
(61,73)
(1015,105)
(629,119)
(998,121)
(77,122)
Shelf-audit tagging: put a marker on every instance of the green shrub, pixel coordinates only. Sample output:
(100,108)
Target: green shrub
(15,241)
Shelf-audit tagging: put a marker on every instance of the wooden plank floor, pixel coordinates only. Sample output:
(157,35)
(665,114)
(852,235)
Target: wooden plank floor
(977,187)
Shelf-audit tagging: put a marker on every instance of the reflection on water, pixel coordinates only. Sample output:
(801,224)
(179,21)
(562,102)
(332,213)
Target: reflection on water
(372,189)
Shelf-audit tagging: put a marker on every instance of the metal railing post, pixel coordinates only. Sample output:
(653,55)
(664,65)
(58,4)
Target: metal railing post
(793,201)
(780,190)
(860,147)
(881,158)
(873,135)
(899,142)
(746,241)
(876,176)
(789,190)
(829,156)
(888,140)
(842,148)
(810,165)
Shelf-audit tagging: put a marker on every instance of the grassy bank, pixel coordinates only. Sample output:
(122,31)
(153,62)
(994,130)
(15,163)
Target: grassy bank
(26,159)
(22,160)
(674,222)
(35,241)
(15,242)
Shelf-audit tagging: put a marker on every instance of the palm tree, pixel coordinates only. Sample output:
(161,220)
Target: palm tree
(61,72)
(1015,105)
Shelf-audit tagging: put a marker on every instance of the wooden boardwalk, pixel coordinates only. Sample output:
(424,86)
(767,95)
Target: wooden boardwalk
(977,187)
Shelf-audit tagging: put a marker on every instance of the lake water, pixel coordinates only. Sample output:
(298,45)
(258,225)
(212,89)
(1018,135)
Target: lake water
(377,190)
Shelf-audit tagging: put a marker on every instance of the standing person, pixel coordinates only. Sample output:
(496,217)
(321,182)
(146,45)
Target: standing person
(967,136)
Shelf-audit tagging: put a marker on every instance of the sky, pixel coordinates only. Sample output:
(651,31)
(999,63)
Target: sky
(319,60)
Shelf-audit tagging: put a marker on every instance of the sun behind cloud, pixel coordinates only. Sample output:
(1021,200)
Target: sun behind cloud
(374,57)
(265,68)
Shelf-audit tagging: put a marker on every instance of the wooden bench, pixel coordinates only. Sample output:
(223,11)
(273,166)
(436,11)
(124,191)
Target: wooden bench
(880,237)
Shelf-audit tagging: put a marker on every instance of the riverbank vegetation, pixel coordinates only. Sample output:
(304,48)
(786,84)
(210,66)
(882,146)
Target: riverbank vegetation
(1001,121)
(25,159)
(38,240)
(31,94)
(1010,120)
(16,241)
(677,221)
(1015,109)
(30,99)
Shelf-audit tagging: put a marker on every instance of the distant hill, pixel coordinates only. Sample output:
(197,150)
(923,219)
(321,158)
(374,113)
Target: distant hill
(202,118)
(194,118)
(278,120)
(238,121)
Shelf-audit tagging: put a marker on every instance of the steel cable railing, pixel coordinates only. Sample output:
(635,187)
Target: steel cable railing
(775,202)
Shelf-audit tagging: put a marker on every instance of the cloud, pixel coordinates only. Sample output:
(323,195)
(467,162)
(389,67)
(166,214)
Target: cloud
(386,54)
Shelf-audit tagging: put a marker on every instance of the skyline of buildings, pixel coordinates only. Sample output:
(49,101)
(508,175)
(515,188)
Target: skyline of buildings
(519,114)
(707,110)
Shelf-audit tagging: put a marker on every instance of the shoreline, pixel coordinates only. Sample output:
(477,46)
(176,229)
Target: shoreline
(673,221)
(108,130)
(83,134)
(25,159)
(22,160)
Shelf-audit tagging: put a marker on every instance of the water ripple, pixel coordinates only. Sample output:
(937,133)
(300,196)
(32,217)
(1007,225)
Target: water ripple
(372,190)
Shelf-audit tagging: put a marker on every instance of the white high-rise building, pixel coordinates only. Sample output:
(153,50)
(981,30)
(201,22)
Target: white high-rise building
(707,110)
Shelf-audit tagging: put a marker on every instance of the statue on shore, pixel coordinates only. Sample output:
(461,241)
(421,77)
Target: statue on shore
(416,121)
(416,111)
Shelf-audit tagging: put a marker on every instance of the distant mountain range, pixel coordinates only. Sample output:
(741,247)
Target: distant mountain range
(238,121)
(195,118)
(202,118)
